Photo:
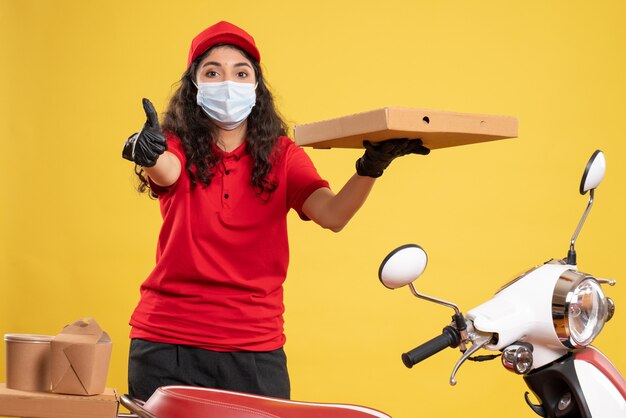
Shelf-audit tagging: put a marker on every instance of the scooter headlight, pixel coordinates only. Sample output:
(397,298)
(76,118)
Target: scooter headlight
(579,309)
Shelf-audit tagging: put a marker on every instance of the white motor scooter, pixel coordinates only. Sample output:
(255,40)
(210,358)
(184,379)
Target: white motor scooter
(542,322)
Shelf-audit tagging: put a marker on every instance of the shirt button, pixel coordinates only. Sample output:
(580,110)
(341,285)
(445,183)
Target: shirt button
(227,172)
(226,196)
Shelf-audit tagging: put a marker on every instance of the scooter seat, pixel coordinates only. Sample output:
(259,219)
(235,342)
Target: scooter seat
(192,402)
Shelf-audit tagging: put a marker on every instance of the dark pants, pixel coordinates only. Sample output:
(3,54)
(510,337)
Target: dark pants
(152,365)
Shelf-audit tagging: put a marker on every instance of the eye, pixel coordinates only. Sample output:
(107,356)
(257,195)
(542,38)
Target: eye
(211,73)
(242,74)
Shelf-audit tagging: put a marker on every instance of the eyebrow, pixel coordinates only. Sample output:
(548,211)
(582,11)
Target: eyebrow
(239,64)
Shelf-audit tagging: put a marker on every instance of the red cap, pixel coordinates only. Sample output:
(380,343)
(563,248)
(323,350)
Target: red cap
(222,33)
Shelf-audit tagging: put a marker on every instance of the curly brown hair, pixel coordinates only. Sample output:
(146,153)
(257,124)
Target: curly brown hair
(188,121)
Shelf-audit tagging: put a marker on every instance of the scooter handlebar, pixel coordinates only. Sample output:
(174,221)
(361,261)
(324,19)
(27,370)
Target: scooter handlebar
(449,338)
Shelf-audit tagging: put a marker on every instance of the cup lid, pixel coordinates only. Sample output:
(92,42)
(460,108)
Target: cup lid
(28,338)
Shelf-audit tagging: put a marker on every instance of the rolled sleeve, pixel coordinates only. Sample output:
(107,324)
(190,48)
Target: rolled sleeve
(303,179)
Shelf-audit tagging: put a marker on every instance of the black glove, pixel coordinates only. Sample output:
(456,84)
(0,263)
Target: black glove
(379,155)
(144,147)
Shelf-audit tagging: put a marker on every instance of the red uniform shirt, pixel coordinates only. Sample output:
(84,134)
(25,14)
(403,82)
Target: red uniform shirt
(222,255)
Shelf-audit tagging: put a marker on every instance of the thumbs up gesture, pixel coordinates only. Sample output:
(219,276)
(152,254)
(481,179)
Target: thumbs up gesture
(145,147)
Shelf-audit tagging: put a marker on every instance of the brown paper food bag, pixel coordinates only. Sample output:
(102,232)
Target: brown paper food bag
(80,356)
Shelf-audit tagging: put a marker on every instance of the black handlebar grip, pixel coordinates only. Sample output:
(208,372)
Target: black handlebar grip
(449,338)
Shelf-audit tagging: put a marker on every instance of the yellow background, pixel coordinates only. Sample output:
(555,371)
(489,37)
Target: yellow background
(77,240)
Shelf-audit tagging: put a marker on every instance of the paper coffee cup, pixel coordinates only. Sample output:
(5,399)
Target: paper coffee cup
(28,362)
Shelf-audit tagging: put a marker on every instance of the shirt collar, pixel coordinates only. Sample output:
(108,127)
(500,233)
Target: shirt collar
(237,153)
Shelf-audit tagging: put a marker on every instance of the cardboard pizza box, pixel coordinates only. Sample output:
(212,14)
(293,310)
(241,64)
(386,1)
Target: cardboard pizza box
(18,403)
(436,128)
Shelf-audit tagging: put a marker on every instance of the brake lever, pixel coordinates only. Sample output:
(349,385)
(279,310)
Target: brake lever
(479,343)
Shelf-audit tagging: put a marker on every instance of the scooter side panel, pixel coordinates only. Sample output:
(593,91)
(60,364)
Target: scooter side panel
(603,398)
(593,356)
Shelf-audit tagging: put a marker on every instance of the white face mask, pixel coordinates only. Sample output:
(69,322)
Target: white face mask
(228,103)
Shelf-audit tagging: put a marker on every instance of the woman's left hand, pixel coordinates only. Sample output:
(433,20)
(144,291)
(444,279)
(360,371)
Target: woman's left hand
(379,155)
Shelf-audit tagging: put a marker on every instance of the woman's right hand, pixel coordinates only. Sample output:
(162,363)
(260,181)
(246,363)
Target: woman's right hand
(145,147)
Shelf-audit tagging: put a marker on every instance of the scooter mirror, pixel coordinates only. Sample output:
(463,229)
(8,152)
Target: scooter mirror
(402,266)
(594,172)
